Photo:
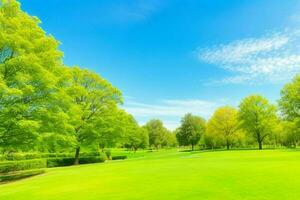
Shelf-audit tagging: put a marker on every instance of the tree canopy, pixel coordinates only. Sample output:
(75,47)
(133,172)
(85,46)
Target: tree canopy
(224,124)
(191,129)
(257,117)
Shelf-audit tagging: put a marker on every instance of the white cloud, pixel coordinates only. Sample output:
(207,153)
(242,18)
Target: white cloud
(272,58)
(171,108)
(170,111)
(136,10)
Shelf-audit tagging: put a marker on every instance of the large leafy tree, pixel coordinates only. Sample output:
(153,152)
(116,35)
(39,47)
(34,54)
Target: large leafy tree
(31,73)
(92,97)
(191,129)
(257,117)
(224,124)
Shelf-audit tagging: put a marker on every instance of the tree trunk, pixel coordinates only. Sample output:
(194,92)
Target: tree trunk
(77,156)
(227,144)
(192,147)
(260,145)
(259,140)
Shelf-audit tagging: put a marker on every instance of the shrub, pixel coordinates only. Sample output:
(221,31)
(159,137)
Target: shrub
(11,166)
(56,155)
(22,156)
(90,154)
(118,157)
(60,162)
(87,160)
(20,175)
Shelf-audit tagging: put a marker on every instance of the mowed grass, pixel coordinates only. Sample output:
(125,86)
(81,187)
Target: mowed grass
(269,174)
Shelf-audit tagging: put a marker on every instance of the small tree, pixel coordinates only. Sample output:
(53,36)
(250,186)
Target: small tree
(157,133)
(257,117)
(191,130)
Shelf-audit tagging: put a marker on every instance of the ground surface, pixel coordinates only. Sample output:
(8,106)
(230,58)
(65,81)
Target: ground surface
(270,174)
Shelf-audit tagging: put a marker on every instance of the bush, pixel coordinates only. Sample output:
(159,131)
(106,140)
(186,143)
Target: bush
(87,160)
(22,156)
(56,155)
(11,166)
(90,154)
(60,162)
(20,175)
(118,157)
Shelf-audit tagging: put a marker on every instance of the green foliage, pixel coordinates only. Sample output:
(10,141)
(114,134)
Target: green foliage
(11,166)
(20,175)
(291,133)
(223,127)
(61,162)
(257,117)
(134,137)
(157,133)
(92,97)
(119,157)
(30,76)
(191,130)
(88,160)
(290,99)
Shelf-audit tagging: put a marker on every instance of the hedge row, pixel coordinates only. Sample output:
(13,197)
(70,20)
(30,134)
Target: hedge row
(61,162)
(12,166)
(30,156)
(19,175)
(118,157)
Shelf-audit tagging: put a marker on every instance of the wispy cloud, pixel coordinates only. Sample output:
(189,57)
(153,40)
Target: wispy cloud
(271,58)
(171,108)
(171,111)
(135,11)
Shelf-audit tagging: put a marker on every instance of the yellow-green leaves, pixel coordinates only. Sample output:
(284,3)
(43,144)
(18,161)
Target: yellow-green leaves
(223,126)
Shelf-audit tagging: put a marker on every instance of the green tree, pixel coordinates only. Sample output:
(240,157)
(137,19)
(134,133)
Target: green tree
(290,99)
(92,97)
(291,133)
(191,129)
(157,133)
(257,117)
(134,136)
(171,139)
(30,76)
(224,124)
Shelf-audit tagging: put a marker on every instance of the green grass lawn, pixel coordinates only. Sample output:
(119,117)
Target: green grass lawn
(269,174)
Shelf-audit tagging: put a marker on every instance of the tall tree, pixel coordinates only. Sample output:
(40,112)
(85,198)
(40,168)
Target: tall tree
(224,124)
(30,76)
(257,117)
(191,129)
(92,97)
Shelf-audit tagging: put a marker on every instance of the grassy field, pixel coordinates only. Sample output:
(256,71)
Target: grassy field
(269,174)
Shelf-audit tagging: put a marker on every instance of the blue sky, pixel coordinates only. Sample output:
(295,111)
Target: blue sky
(170,57)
